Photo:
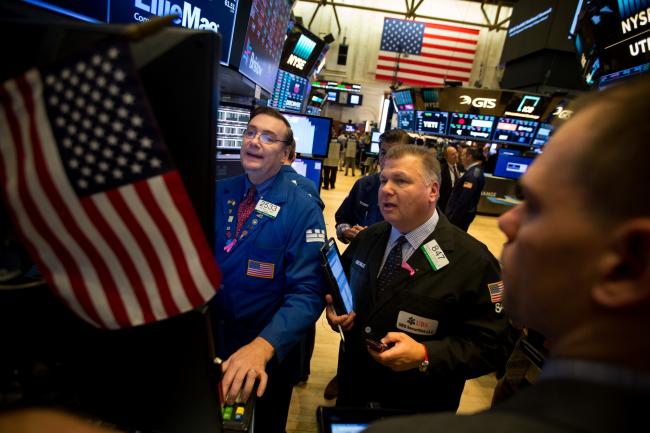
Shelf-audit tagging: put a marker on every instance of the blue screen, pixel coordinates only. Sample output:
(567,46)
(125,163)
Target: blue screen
(312,133)
(511,166)
(543,134)
(289,91)
(310,168)
(406,120)
(193,14)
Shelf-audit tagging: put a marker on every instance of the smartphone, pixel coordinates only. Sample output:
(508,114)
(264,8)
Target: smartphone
(340,287)
(376,345)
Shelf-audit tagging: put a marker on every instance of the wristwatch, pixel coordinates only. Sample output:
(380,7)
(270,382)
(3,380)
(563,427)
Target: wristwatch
(424,365)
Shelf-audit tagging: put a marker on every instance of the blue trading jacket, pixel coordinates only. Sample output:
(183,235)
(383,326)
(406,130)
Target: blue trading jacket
(360,206)
(465,196)
(273,284)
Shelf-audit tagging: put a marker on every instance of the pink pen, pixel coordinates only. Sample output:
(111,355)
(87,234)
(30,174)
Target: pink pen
(408,268)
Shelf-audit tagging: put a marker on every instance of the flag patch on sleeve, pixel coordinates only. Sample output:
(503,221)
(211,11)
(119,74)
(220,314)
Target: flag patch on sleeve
(315,235)
(496,291)
(260,269)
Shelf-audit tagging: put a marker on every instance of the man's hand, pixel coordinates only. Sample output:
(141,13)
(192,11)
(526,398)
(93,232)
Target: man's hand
(346,321)
(352,232)
(244,367)
(404,353)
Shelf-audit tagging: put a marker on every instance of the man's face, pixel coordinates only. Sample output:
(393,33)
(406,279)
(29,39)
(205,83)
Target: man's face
(262,161)
(405,198)
(553,242)
(451,154)
(384,147)
(465,158)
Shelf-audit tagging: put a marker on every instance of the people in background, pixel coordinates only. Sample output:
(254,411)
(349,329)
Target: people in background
(450,172)
(463,200)
(426,315)
(576,267)
(343,141)
(351,153)
(331,163)
(359,209)
(268,237)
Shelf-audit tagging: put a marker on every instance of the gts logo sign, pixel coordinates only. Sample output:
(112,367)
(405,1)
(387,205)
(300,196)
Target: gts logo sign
(478,102)
(561,113)
(188,16)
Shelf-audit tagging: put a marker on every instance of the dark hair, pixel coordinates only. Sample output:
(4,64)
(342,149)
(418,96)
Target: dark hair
(475,153)
(618,153)
(272,112)
(395,136)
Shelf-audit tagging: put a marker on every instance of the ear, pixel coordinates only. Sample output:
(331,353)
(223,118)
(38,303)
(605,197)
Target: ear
(625,268)
(434,192)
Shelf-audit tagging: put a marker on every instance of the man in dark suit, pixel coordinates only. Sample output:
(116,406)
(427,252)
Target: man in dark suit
(576,267)
(425,291)
(449,173)
(463,201)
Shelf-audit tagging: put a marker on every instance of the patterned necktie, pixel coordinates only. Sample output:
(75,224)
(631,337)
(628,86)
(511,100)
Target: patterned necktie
(245,209)
(392,264)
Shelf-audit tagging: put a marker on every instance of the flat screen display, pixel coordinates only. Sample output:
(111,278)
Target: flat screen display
(332,95)
(470,126)
(289,91)
(354,99)
(338,279)
(404,99)
(90,11)
(312,133)
(543,134)
(515,131)
(301,50)
(511,166)
(310,168)
(432,122)
(267,27)
(374,147)
(374,138)
(231,124)
(406,120)
(217,16)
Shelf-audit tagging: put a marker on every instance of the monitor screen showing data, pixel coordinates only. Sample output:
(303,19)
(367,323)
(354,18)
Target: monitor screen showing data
(511,166)
(312,133)
(515,131)
(310,168)
(543,134)
(470,126)
(231,124)
(432,122)
(406,120)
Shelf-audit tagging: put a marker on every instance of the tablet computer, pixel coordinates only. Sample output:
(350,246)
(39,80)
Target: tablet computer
(341,290)
(351,420)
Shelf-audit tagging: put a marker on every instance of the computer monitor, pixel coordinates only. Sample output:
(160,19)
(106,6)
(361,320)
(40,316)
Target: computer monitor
(233,120)
(406,120)
(542,135)
(431,122)
(514,131)
(312,133)
(157,377)
(470,126)
(310,168)
(354,99)
(289,92)
(512,166)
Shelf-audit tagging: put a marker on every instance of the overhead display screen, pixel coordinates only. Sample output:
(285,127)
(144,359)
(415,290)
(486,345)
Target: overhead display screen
(516,131)
(301,51)
(217,16)
(432,122)
(404,99)
(267,27)
(543,134)
(470,126)
(289,91)
(406,120)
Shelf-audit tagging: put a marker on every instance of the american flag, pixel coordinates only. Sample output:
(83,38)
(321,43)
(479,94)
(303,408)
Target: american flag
(431,52)
(496,291)
(260,269)
(93,193)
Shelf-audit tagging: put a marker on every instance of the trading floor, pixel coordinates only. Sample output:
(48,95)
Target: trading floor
(308,396)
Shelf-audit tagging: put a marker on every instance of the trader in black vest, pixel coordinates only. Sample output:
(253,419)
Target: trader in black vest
(463,201)
(359,209)
(450,172)
(424,289)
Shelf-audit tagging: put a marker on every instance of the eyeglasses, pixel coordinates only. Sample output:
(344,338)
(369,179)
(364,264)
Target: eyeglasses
(265,137)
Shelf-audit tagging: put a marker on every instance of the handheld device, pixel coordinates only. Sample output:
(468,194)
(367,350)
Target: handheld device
(341,290)
(376,345)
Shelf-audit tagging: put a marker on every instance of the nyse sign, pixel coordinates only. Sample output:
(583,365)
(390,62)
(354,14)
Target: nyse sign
(296,62)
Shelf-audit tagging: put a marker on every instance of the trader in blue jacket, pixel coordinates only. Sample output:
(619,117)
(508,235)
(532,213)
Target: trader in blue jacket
(466,193)
(268,236)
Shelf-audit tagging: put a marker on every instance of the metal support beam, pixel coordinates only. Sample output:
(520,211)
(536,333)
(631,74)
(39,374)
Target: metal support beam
(487,19)
(388,11)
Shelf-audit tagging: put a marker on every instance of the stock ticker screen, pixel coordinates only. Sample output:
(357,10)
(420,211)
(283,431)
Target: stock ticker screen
(432,122)
(289,91)
(515,131)
(470,126)
(231,124)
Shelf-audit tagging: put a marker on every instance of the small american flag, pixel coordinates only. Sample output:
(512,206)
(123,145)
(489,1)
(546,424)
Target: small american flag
(431,52)
(260,269)
(93,193)
(496,291)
